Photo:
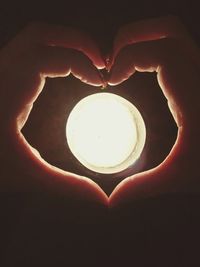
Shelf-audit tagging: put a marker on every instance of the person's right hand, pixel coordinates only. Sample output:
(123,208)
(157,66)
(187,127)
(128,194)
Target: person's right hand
(41,51)
(160,45)
(163,45)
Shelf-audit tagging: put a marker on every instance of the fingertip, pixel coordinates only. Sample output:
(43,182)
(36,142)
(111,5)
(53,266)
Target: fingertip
(119,76)
(133,188)
(100,64)
(114,80)
(121,67)
(108,60)
(90,76)
(118,196)
(93,191)
(115,76)
(84,69)
(101,196)
(98,61)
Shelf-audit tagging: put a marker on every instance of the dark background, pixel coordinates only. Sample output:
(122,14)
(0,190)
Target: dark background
(49,230)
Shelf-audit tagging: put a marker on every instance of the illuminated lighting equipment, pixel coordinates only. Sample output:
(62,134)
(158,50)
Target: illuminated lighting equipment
(106,133)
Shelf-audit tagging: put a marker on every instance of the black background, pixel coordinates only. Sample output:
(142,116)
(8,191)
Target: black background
(48,230)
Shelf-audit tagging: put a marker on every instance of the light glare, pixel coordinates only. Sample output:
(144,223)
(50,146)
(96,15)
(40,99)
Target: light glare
(103,133)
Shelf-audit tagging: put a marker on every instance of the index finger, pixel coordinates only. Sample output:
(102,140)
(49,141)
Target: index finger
(150,30)
(66,37)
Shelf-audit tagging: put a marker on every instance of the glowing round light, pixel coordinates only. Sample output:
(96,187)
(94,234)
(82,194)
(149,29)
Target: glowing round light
(106,133)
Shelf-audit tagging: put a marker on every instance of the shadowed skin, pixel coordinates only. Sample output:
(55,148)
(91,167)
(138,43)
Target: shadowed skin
(39,51)
(50,217)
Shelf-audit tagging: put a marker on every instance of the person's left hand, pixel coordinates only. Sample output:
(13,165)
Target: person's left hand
(164,46)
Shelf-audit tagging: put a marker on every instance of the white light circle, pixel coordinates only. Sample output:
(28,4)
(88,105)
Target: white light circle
(105,132)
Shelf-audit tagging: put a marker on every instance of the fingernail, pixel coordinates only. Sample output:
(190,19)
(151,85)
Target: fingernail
(108,61)
(103,80)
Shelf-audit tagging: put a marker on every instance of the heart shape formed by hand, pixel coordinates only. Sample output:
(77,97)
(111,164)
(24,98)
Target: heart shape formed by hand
(143,46)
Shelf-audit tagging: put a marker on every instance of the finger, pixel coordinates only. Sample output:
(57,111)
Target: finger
(177,74)
(55,61)
(149,30)
(27,171)
(54,35)
(23,68)
(28,76)
(179,173)
(140,186)
(150,184)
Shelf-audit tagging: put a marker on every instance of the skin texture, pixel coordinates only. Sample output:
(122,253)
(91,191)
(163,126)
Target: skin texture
(164,46)
(41,51)
(37,52)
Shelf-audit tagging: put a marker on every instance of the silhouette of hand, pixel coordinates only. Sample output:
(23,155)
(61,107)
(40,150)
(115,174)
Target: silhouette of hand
(164,46)
(41,51)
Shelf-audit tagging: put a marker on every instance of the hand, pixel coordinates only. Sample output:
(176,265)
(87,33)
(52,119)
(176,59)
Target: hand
(41,51)
(164,46)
